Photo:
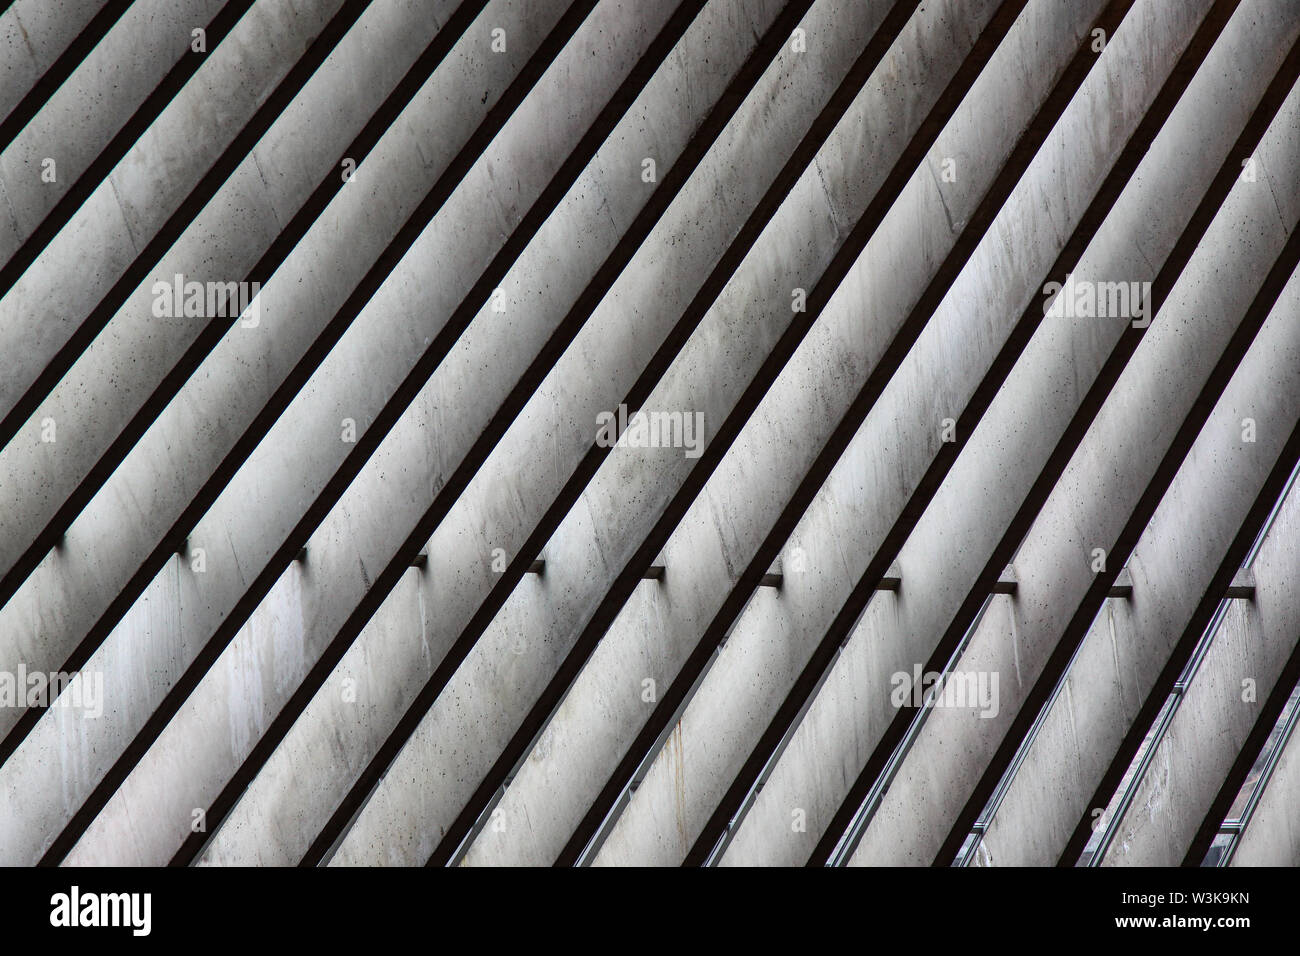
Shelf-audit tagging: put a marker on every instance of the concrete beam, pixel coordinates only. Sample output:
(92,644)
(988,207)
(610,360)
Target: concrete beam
(382,535)
(856,532)
(149,39)
(771,648)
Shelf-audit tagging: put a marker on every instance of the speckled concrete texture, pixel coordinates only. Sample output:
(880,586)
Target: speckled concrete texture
(649,432)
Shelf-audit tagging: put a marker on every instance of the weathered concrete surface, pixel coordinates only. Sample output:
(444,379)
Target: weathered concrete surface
(95,102)
(33,34)
(414,403)
(680,270)
(154,484)
(900,410)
